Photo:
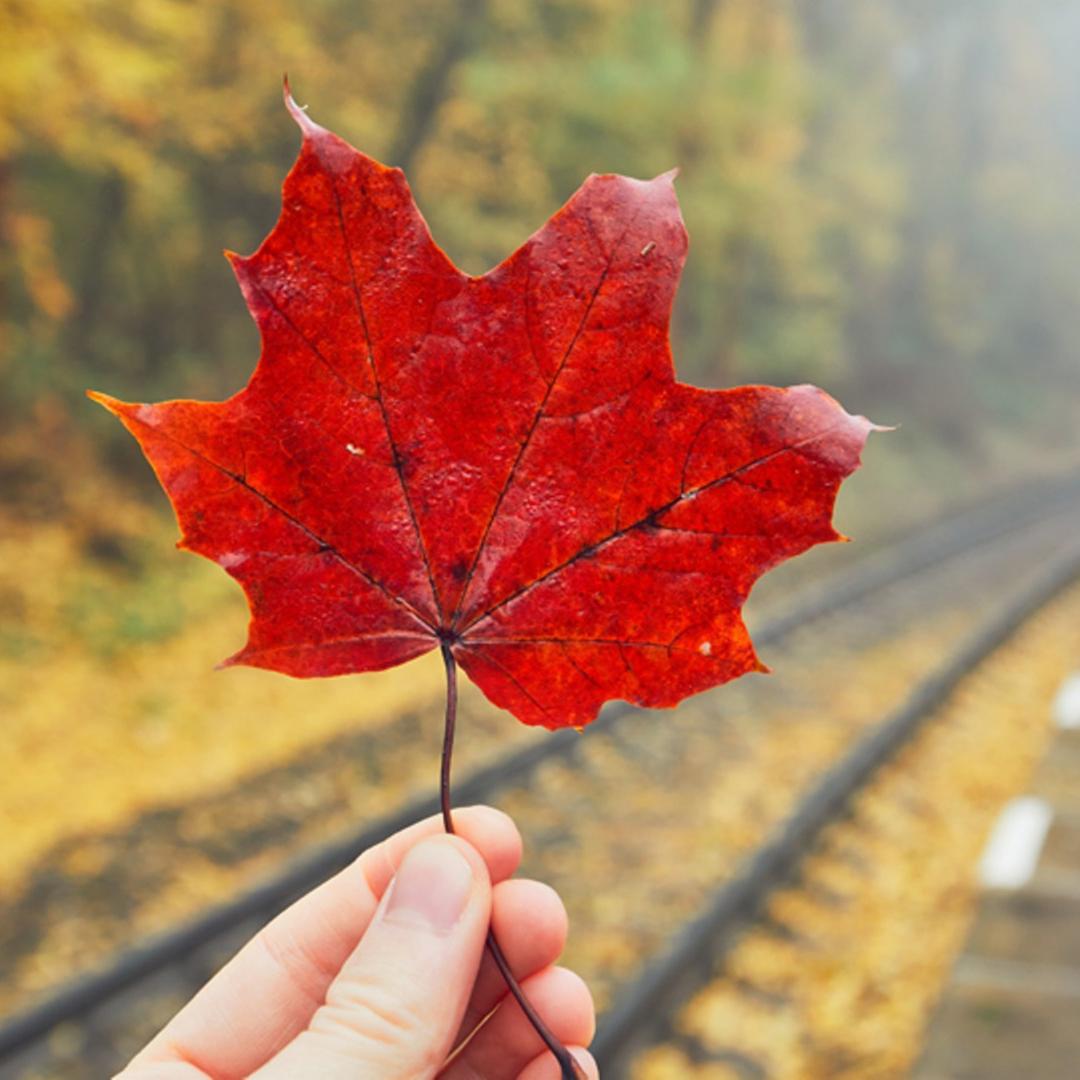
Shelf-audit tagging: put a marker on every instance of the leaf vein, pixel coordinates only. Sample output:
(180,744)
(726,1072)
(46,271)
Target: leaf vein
(395,456)
(511,475)
(309,343)
(323,543)
(733,476)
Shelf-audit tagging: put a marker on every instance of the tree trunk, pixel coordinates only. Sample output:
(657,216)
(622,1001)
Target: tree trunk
(429,87)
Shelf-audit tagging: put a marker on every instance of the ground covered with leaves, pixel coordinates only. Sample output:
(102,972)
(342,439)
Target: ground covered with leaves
(839,978)
(612,827)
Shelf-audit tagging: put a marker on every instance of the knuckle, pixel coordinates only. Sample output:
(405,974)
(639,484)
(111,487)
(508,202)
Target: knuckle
(360,1016)
(296,958)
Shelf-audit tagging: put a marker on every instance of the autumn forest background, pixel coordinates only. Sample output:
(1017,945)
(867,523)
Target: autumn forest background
(881,196)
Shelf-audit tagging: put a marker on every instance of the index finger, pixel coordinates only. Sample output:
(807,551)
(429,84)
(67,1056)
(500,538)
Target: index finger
(269,991)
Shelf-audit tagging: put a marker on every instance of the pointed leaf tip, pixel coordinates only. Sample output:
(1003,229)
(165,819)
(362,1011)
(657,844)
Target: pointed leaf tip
(298,112)
(106,401)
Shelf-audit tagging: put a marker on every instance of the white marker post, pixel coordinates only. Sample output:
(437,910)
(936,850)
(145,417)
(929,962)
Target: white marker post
(1067,704)
(1012,852)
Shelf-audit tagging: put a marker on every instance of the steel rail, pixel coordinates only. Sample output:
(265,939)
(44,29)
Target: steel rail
(643,1010)
(935,543)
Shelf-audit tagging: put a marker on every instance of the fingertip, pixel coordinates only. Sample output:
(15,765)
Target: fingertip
(565,1002)
(494,834)
(496,822)
(480,869)
(530,923)
(545,1067)
(586,1061)
(490,832)
(440,879)
(530,919)
(507,1041)
(578,1001)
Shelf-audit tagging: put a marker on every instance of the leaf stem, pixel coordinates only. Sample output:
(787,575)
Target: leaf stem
(569,1067)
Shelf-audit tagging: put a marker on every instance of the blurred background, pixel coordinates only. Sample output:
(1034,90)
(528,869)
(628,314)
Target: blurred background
(881,199)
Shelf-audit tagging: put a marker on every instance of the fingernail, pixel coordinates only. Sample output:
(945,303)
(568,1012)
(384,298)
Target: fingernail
(585,1061)
(431,888)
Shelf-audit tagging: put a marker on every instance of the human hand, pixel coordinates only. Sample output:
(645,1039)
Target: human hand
(381,974)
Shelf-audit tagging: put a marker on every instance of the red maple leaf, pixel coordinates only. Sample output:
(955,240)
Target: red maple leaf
(502,464)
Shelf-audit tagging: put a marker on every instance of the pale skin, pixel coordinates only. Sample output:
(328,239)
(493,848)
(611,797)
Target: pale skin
(381,974)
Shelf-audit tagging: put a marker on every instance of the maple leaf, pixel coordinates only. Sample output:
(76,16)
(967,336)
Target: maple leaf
(501,465)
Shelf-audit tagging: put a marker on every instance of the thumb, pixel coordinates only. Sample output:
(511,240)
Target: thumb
(397,1003)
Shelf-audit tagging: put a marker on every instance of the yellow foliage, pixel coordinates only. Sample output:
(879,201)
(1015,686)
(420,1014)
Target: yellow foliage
(110,699)
(884,904)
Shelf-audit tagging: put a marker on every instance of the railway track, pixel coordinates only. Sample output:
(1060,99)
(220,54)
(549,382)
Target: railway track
(650,1010)
(92,1024)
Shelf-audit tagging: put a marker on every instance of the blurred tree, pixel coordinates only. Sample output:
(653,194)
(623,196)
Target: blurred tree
(879,195)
